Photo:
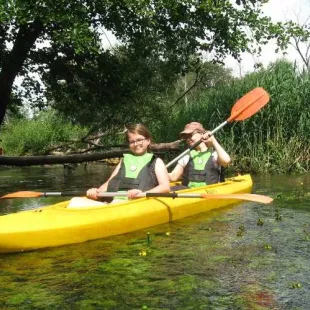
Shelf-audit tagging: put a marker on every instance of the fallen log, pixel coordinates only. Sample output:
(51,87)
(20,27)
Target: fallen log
(79,158)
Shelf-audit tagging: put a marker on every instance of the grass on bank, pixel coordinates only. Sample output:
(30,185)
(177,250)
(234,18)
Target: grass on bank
(21,136)
(276,139)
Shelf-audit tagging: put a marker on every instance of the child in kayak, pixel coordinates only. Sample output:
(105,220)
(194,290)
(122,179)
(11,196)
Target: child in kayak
(137,172)
(203,164)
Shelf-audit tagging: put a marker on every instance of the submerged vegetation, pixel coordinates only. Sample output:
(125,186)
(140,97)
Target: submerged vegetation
(199,262)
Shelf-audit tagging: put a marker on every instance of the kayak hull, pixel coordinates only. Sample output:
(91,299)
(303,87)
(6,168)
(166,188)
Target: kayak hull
(58,225)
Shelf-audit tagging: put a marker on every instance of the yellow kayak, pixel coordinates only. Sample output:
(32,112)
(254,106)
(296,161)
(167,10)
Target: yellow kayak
(57,225)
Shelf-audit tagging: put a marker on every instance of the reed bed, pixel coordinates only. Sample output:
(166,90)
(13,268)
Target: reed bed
(276,139)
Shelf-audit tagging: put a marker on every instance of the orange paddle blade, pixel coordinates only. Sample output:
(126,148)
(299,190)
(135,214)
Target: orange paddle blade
(23,194)
(249,104)
(248,197)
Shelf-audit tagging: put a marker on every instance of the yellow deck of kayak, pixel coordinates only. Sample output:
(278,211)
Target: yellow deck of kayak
(57,225)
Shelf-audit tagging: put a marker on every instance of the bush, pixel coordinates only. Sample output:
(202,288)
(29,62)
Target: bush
(37,136)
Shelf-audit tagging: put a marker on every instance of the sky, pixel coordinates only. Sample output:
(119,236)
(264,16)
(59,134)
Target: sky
(277,10)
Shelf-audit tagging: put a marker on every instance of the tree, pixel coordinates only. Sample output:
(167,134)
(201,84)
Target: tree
(111,89)
(35,35)
(202,75)
(301,42)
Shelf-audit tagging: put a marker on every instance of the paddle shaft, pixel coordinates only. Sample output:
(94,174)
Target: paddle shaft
(141,195)
(248,197)
(63,194)
(196,144)
(114,194)
(244,108)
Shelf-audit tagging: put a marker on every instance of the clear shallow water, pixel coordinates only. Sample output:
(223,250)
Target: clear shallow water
(249,256)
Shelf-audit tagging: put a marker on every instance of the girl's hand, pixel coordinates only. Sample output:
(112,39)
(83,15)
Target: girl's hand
(208,139)
(133,192)
(92,193)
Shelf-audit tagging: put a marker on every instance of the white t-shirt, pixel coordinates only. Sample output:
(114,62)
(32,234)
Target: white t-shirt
(185,159)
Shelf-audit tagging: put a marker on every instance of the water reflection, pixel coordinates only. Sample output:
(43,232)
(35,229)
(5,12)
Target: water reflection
(50,178)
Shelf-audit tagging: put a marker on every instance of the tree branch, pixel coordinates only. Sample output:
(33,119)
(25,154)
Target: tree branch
(26,37)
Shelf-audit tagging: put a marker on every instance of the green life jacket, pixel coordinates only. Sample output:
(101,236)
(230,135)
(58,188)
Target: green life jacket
(136,172)
(200,170)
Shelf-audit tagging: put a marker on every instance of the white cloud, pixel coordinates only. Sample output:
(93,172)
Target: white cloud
(108,39)
(279,11)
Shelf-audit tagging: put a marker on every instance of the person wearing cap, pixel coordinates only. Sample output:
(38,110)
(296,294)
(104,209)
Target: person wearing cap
(203,164)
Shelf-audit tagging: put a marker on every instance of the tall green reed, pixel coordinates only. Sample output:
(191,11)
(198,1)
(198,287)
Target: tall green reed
(274,139)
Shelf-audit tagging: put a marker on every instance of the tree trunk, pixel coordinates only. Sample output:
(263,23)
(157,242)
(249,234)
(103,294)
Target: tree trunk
(79,158)
(56,159)
(12,64)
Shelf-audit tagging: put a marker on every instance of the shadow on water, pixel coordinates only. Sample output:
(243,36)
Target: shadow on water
(249,256)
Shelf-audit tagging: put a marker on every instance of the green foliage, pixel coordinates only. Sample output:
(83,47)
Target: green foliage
(276,138)
(153,30)
(111,90)
(118,88)
(37,136)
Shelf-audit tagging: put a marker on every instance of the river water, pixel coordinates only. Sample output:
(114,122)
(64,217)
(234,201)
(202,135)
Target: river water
(249,256)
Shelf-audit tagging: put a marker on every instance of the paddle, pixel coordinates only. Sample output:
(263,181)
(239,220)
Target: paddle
(244,108)
(248,197)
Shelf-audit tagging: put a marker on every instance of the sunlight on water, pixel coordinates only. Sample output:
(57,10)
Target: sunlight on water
(248,256)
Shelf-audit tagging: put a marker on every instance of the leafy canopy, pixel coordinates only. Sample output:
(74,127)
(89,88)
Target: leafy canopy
(39,36)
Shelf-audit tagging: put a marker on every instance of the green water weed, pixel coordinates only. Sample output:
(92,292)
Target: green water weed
(260,222)
(295,285)
(241,231)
